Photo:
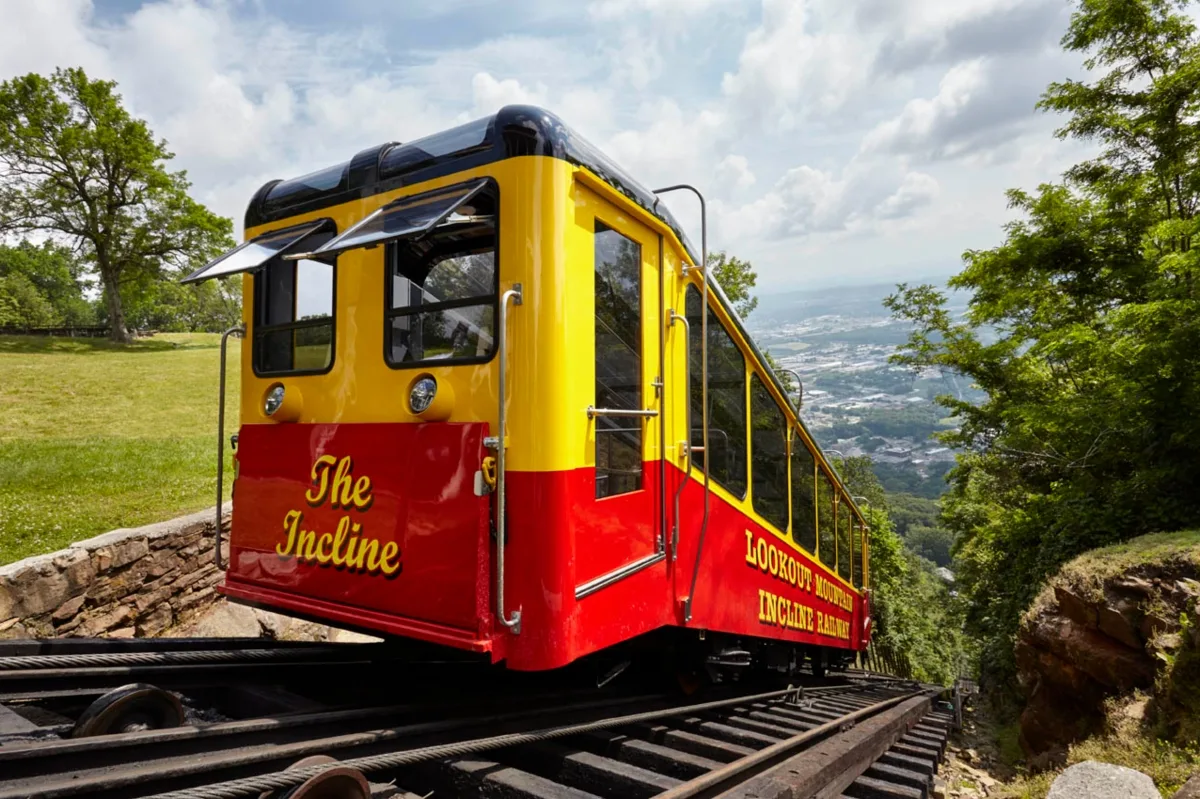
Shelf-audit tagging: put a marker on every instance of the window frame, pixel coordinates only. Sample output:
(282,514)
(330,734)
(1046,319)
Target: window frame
(799,443)
(257,329)
(391,253)
(696,374)
(597,223)
(757,380)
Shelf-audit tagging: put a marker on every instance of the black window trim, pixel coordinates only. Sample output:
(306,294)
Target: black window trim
(745,399)
(598,222)
(754,375)
(390,313)
(257,330)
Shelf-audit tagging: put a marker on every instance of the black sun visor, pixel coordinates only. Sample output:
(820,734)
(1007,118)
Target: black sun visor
(404,218)
(254,254)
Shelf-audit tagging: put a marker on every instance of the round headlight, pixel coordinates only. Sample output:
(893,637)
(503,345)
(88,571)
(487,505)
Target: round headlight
(273,400)
(422,394)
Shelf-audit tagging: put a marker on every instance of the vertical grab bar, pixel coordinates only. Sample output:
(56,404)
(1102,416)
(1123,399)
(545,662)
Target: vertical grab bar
(501,442)
(236,330)
(703,267)
(687,444)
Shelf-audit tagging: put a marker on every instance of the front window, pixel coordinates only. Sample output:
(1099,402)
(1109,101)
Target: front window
(442,288)
(293,312)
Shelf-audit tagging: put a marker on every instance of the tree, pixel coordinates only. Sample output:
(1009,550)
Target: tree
(1089,432)
(736,278)
(21,305)
(77,165)
(55,274)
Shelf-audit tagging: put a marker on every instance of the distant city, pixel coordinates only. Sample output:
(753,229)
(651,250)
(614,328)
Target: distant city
(839,341)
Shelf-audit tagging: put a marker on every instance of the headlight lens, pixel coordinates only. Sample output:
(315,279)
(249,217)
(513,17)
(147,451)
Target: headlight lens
(273,400)
(422,394)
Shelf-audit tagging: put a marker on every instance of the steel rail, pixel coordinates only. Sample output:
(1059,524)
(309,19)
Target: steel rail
(252,786)
(24,663)
(739,769)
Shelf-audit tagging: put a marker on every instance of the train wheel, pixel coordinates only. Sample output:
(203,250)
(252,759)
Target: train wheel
(818,664)
(337,782)
(130,708)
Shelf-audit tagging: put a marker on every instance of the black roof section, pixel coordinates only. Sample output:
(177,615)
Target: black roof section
(514,130)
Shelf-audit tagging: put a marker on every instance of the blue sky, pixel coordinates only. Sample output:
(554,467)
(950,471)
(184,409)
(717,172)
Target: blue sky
(839,142)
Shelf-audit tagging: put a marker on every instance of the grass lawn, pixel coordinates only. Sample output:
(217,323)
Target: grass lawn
(95,435)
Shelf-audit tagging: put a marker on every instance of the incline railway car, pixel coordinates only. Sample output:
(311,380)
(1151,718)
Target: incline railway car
(490,401)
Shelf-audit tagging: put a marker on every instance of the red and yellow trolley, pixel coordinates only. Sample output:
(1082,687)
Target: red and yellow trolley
(483,407)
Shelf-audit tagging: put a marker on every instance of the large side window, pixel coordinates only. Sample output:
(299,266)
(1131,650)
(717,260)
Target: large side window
(804,519)
(442,289)
(293,313)
(857,545)
(768,448)
(726,456)
(845,559)
(826,544)
(618,361)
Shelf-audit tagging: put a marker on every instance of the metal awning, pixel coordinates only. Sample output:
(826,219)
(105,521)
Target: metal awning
(254,254)
(403,218)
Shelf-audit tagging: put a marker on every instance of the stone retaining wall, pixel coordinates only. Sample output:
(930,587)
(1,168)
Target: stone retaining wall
(127,583)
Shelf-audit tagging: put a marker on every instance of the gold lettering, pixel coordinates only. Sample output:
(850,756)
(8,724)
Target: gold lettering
(341,494)
(306,543)
(323,556)
(320,479)
(762,554)
(289,523)
(390,550)
(362,493)
(339,538)
(750,549)
(368,555)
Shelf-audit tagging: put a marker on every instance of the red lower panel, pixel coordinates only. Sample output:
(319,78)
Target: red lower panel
(377,526)
(375,517)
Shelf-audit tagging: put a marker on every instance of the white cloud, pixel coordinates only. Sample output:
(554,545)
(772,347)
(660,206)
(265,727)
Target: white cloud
(813,126)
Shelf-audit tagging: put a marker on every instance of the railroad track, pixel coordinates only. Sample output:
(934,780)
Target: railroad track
(546,747)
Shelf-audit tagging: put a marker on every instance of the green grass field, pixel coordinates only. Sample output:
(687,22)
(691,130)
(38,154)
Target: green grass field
(95,436)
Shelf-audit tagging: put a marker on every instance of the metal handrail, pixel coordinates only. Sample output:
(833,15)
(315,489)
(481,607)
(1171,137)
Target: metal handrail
(513,623)
(703,267)
(799,386)
(621,412)
(236,330)
(687,445)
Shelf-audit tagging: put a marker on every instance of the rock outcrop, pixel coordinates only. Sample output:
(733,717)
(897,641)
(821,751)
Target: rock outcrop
(1111,622)
(126,583)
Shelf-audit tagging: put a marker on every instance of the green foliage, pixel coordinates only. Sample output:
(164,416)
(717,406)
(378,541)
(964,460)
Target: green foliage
(1083,329)
(736,278)
(55,275)
(916,620)
(75,164)
(21,305)
(932,543)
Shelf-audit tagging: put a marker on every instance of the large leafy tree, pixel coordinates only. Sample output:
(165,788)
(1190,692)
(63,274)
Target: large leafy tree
(76,165)
(1083,328)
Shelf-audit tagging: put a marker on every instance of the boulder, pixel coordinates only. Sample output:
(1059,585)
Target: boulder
(1092,780)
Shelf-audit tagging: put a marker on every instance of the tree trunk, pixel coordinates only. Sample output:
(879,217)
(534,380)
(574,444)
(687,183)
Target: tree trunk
(116,314)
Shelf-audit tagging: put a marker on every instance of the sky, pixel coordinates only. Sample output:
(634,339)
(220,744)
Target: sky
(838,142)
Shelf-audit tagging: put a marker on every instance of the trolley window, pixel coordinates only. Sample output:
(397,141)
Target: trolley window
(768,449)
(293,312)
(857,545)
(442,287)
(618,361)
(826,545)
(726,399)
(804,510)
(844,558)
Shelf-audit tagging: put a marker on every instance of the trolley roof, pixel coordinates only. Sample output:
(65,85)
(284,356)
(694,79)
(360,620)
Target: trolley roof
(513,131)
